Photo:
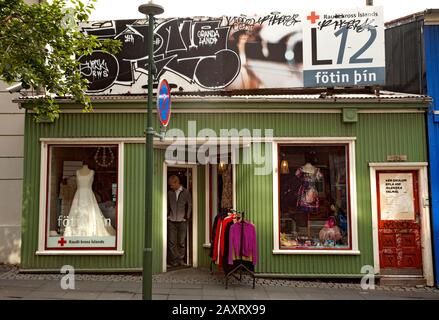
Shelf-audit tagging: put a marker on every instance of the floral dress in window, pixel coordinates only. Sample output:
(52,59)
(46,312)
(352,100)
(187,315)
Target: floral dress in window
(307,195)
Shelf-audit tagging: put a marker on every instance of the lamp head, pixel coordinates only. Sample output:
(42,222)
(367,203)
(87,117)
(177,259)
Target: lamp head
(151,8)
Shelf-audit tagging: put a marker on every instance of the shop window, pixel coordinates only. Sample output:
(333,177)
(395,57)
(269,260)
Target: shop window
(314,197)
(82,197)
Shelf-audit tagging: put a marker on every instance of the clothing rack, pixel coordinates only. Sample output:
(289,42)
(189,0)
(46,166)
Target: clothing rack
(240,266)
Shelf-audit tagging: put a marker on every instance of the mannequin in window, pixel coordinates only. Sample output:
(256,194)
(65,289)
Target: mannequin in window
(307,195)
(85,216)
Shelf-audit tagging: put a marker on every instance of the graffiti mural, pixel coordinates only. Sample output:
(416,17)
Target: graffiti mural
(197,54)
(277,50)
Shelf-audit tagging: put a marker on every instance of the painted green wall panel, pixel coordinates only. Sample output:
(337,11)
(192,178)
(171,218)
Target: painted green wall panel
(203,253)
(377,135)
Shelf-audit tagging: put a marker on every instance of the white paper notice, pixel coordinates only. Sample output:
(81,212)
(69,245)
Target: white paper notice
(396,196)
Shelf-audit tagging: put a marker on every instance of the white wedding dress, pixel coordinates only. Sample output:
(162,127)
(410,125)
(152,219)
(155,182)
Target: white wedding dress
(85,216)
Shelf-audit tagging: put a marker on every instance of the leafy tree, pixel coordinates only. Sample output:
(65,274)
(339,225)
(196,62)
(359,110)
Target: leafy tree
(39,46)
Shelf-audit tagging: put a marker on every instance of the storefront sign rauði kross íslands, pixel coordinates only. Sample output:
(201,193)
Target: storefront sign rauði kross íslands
(294,49)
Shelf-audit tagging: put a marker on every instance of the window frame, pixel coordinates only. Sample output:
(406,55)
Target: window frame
(349,142)
(46,145)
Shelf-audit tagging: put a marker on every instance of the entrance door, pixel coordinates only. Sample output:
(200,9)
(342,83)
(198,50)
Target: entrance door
(399,228)
(185,176)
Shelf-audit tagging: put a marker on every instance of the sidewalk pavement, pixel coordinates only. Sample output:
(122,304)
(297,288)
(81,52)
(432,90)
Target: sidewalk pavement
(194,284)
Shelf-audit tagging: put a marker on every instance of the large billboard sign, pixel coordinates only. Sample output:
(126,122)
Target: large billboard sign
(310,48)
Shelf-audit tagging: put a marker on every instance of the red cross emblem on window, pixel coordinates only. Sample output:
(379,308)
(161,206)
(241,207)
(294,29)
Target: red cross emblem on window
(62,242)
(313,17)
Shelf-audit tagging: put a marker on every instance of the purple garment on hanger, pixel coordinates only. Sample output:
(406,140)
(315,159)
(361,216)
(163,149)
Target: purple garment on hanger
(249,246)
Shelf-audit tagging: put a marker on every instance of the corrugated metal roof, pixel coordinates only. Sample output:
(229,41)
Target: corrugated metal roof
(429,15)
(323,97)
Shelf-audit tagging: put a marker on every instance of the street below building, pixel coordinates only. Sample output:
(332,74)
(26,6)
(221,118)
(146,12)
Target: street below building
(194,284)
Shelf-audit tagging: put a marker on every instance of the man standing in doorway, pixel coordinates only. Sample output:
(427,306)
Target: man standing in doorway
(179,212)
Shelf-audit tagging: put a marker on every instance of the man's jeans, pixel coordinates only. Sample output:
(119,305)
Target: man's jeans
(176,241)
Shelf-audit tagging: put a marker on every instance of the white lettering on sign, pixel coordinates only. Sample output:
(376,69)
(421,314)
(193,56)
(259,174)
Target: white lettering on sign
(313,47)
(207,37)
(97,68)
(331,77)
(343,48)
(129,38)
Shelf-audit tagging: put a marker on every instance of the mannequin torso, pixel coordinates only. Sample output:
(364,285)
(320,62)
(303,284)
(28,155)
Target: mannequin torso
(84,171)
(309,168)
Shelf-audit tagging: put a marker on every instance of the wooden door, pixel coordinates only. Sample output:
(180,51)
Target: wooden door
(399,227)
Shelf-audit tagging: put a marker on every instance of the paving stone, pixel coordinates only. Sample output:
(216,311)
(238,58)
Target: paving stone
(184,297)
(22,283)
(222,298)
(160,290)
(81,295)
(283,296)
(52,286)
(254,296)
(184,286)
(161,286)
(186,291)
(92,285)
(199,282)
(14,293)
(45,295)
(115,296)
(221,292)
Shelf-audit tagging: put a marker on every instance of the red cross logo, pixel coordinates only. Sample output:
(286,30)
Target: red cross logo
(62,242)
(313,17)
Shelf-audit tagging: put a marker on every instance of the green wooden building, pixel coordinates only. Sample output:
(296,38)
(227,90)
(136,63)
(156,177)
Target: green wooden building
(252,153)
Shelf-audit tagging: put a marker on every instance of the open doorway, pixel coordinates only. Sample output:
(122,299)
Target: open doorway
(177,256)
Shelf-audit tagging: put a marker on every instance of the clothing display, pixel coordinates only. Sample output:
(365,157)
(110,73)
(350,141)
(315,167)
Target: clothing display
(227,232)
(85,216)
(307,195)
(227,193)
(247,250)
(220,240)
(330,233)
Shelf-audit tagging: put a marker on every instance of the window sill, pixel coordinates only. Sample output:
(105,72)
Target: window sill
(318,252)
(79,253)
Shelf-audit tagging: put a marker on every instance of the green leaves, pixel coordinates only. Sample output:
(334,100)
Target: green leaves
(39,45)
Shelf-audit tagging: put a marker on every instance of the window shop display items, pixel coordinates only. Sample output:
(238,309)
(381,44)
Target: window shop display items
(313,198)
(227,241)
(85,216)
(307,196)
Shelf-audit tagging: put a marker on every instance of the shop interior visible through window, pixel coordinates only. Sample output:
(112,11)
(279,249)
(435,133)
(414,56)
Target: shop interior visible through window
(82,187)
(313,194)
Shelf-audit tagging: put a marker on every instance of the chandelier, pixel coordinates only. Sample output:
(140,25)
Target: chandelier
(104,157)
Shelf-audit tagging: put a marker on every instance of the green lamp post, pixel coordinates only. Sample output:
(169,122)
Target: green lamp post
(150,9)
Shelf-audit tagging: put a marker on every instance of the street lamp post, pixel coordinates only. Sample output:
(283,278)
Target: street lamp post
(150,9)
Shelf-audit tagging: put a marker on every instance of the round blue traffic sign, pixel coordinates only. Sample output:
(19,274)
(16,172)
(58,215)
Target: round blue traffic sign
(164,102)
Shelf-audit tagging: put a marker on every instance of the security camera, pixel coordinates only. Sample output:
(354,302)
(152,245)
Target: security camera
(15,88)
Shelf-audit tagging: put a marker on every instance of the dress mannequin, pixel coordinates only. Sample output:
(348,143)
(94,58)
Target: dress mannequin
(84,170)
(309,168)
(307,195)
(86,218)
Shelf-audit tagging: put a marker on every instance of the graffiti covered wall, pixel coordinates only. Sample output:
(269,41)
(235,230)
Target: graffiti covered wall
(226,53)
